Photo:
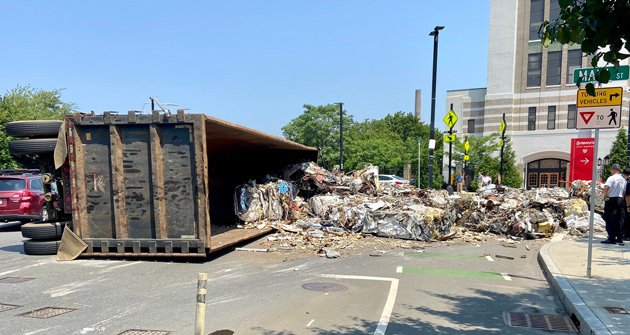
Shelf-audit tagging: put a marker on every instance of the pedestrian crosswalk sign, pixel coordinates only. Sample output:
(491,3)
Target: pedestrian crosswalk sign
(450,119)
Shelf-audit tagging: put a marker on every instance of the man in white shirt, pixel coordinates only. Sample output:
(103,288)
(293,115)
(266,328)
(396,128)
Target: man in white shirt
(614,192)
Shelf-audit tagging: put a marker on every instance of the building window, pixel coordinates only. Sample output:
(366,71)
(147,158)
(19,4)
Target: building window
(534,63)
(554,66)
(536,18)
(531,118)
(571,115)
(554,10)
(551,117)
(471,126)
(574,61)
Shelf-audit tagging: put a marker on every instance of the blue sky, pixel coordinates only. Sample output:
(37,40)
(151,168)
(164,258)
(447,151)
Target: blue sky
(251,62)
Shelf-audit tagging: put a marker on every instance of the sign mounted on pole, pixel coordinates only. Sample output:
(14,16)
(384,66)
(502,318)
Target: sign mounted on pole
(450,138)
(587,75)
(466,157)
(581,163)
(450,119)
(600,111)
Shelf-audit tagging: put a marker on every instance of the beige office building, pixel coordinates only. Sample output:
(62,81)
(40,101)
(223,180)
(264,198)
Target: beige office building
(534,87)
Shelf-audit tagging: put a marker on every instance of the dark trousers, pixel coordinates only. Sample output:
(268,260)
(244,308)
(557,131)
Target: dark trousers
(614,215)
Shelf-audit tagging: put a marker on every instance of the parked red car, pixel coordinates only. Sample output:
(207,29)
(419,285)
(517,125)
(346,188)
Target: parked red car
(22,196)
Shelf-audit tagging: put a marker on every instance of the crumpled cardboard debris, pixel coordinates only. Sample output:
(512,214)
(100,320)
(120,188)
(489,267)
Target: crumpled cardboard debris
(325,211)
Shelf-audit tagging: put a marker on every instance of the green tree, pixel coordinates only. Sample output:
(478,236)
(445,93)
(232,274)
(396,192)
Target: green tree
(27,103)
(594,25)
(372,142)
(485,158)
(318,127)
(618,153)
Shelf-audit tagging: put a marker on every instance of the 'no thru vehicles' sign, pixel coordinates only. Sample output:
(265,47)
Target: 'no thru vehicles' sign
(600,111)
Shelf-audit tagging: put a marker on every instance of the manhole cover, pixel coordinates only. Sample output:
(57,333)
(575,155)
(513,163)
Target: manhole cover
(552,322)
(144,332)
(14,280)
(47,312)
(6,307)
(617,310)
(324,287)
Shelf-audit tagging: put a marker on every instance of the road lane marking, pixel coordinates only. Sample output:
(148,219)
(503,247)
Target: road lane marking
(310,323)
(489,258)
(452,273)
(506,276)
(399,269)
(389,303)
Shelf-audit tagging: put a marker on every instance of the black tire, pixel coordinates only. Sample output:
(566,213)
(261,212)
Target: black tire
(35,128)
(32,146)
(40,247)
(43,231)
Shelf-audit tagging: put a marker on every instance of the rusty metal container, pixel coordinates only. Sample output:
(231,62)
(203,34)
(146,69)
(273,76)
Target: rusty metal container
(162,185)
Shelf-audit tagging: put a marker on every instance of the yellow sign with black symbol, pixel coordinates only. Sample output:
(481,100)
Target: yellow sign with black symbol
(466,146)
(450,138)
(502,127)
(466,157)
(450,119)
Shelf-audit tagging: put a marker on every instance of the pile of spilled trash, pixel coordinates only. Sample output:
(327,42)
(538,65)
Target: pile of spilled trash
(323,211)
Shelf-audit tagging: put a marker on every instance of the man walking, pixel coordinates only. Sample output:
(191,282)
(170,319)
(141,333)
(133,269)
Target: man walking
(614,205)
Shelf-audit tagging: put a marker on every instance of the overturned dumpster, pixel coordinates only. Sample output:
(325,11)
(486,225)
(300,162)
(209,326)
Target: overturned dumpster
(162,185)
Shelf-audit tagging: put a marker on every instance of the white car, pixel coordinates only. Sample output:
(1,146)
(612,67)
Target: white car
(391,179)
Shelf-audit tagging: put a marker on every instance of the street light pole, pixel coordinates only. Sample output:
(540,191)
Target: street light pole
(340,135)
(435,33)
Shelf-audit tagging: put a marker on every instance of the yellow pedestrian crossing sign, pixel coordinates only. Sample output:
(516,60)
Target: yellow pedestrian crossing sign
(450,138)
(502,127)
(466,157)
(450,119)
(466,146)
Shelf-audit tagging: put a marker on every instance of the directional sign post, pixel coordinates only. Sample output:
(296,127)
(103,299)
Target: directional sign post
(600,111)
(450,119)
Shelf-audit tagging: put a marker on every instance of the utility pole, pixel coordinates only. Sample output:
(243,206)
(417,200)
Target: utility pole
(435,33)
(340,135)
(502,129)
(419,161)
(450,148)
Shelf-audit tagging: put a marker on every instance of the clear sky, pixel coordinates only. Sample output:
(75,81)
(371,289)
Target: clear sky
(251,62)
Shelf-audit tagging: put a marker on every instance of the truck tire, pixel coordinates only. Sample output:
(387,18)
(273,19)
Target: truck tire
(43,231)
(34,128)
(41,247)
(32,146)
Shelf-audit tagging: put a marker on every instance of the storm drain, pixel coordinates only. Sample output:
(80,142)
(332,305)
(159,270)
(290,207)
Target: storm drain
(144,332)
(552,322)
(617,310)
(324,287)
(47,312)
(6,307)
(14,280)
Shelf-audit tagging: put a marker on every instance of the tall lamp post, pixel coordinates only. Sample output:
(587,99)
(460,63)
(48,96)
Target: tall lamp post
(435,33)
(340,135)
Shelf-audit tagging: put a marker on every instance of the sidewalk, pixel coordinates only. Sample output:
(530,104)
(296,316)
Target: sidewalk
(564,263)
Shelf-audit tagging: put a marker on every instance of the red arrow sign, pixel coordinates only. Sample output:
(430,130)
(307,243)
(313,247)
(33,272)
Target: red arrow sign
(587,116)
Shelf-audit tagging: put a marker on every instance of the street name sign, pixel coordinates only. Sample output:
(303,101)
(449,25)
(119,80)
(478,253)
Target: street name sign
(450,119)
(600,111)
(587,75)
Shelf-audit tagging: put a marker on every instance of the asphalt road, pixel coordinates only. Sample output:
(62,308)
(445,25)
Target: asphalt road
(443,289)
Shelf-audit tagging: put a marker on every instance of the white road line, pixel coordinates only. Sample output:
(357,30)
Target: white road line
(310,323)
(399,269)
(489,258)
(506,276)
(389,303)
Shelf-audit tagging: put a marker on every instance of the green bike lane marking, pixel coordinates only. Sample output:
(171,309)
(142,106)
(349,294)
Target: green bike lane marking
(452,273)
(447,256)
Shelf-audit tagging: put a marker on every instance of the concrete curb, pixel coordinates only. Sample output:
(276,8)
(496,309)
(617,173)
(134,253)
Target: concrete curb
(590,324)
